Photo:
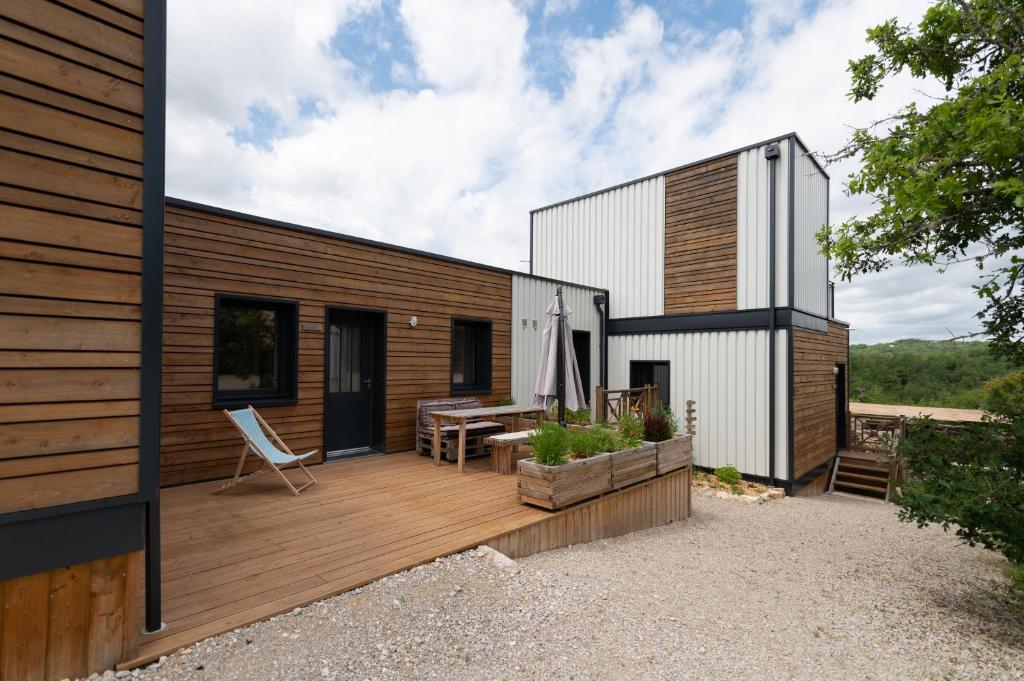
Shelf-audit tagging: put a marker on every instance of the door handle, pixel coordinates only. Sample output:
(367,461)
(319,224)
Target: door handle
(368,382)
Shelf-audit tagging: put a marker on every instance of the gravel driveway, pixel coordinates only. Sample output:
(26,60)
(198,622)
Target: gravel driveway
(831,587)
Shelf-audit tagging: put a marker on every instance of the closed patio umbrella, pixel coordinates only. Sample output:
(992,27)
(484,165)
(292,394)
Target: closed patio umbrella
(559,374)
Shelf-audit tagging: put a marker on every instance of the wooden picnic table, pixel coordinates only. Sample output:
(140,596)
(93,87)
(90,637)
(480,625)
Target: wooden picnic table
(461,416)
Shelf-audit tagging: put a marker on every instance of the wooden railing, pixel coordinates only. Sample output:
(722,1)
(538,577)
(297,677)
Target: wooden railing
(610,405)
(876,434)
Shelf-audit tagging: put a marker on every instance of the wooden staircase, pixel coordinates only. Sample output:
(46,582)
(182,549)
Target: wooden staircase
(860,473)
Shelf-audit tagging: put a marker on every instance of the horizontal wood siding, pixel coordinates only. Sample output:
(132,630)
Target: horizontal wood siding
(70,251)
(700,237)
(814,393)
(70,621)
(206,253)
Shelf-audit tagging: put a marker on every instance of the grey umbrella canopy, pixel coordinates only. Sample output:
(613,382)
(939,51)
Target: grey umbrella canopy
(557,353)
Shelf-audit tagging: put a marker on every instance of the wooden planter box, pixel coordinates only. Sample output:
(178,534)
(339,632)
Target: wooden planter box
(554,487)
(634,465)
(675,453)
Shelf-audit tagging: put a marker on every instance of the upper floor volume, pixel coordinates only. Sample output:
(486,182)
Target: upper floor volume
(736,231)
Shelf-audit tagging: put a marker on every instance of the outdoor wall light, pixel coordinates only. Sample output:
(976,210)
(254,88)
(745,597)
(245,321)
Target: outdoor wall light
(524,322)
(534,324)
(835,371)
(413,321)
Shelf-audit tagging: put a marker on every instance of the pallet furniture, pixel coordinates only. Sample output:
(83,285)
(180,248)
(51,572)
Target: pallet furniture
(503,450)
(462,417)
(476,429)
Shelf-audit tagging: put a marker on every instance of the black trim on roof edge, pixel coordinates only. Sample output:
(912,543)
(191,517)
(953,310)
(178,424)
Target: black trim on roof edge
(339,236)
(689,164)
(733,320)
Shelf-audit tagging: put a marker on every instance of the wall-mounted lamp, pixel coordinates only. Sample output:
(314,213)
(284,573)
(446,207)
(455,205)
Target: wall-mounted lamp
(413,321)
(524,322)
(534,324)
(835,371)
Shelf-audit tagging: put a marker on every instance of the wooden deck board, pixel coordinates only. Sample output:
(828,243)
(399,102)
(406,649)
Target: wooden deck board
(256,551)
(937,413)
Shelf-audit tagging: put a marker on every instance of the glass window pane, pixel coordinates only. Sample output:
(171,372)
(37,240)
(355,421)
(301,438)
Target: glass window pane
(248,348)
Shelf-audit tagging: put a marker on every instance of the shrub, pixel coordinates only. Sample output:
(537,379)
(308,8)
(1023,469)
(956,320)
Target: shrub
(584,444)
(971,479)
(550,444)
(665,410)
(632,431)
(579,417)
(736,488)
(657,428)
(728,474)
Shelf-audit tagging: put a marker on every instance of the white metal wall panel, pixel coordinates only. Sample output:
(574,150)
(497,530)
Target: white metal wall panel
(726,372)
(614,240)
(752,239)
(810,281)
(781,403)
(530,298)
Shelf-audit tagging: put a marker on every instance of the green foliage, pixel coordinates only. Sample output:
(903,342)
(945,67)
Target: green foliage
(971,478)
(550,444)
(1015,586)
(631,430)
(728,474)
(506,402)
(947,181)
(924,373)
(584,444)
(736,488)
(578,417)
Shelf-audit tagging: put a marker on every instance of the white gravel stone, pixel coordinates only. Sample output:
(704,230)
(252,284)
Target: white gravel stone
(830,587)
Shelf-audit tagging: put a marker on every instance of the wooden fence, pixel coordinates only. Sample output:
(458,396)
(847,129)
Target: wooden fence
(610,405)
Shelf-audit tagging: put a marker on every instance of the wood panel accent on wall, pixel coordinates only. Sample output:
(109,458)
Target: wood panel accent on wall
(207,253)
(814,393)
(70,621)
(700,237)
(70,251)
(660,501)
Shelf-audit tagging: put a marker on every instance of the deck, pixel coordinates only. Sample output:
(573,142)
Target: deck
(256,551)
(938,413)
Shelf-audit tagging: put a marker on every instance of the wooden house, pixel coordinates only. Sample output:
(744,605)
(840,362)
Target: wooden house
(129,320)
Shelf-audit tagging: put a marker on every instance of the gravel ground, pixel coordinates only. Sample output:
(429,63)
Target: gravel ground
(832,587)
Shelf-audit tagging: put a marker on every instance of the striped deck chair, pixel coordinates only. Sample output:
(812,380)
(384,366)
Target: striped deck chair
(254,431)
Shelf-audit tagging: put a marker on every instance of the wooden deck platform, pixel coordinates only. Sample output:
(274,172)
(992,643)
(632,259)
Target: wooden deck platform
(256,551)
(937,413)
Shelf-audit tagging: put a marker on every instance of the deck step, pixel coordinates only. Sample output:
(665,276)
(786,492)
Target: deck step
(857,488)
(864,468)
(849,476)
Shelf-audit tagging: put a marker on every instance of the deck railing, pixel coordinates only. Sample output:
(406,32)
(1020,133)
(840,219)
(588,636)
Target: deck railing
(610,405)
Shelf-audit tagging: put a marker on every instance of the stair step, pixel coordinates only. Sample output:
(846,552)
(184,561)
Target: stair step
(857,488)
(863,466)
(864,479)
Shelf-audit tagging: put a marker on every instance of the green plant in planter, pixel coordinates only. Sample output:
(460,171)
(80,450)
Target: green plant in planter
(632,431)
(550,443)
(728,474)
(584,444)
(579,417)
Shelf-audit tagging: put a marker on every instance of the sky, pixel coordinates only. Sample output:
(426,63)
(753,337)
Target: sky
(439,124)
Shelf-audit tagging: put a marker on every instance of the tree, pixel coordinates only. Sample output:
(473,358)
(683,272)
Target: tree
(948,180)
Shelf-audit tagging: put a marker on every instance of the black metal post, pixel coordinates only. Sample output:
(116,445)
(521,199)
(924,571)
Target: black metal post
(560,363)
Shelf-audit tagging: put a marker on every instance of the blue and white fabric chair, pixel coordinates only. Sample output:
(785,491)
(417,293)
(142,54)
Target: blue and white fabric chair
(274,457)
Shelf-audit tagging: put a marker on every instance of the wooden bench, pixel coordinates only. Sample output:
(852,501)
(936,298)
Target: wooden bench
(503,454)
(476,430)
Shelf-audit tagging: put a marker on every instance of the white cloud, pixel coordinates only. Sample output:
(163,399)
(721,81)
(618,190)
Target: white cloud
(455,167)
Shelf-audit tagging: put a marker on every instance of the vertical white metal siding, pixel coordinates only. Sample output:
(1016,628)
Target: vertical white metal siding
(726,372)
(810,281)
(530,298)
(614,240)
(752,290)
(782,409)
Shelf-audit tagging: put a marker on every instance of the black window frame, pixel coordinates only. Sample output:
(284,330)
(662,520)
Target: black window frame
(287,392)
(484,358)
(666,395)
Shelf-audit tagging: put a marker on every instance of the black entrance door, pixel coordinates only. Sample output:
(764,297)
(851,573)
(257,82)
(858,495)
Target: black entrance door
(581,344)
(651,373)
(352,384)
(841,415)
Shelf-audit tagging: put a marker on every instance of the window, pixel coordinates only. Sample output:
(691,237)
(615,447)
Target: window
(471,356)
(651,373)
(256,351)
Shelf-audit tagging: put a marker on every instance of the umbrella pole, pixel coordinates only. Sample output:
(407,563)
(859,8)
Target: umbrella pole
(560,364)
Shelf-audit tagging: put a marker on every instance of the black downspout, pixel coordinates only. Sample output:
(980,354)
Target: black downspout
(771,153)
(560,363)
(154,113)
(599,300)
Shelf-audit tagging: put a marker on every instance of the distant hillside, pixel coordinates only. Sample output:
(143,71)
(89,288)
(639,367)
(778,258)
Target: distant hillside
(924,373)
